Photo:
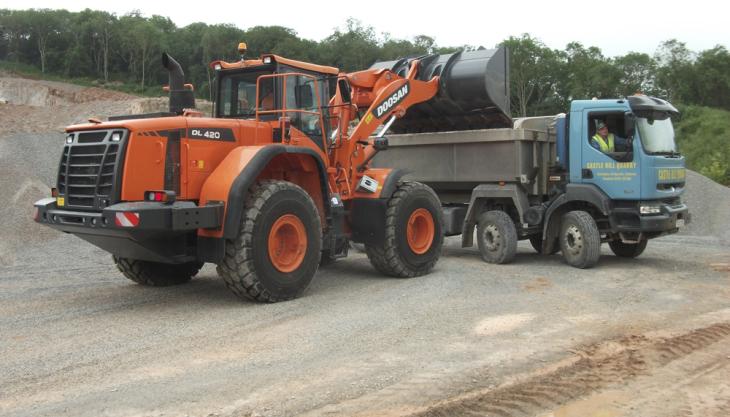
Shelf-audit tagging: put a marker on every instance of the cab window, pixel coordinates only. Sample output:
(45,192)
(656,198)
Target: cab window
(237,97)
(606,135)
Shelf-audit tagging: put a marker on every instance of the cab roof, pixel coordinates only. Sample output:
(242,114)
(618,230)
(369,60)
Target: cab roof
(275,58)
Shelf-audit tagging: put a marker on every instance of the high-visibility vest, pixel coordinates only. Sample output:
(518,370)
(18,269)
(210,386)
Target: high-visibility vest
(605,147)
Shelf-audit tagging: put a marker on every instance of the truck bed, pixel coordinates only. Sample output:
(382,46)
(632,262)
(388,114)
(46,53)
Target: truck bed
(453,163)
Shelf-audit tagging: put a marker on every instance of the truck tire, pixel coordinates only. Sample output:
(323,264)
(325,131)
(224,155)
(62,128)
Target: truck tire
(413,233)
(627,250)
(278,247)
(580,240)
(155,274)
(496,237)
(536,242)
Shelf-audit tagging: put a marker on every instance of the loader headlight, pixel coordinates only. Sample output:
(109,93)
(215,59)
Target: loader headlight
(70,139)
(650,209)
(116,136)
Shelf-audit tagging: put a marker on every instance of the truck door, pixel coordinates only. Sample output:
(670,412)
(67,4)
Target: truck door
(609,159)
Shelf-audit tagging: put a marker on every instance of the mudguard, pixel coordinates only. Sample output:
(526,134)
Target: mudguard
(233,177)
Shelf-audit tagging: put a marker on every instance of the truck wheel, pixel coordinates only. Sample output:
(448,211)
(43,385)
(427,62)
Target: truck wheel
(580,240)
(156,274)
(278,247)
(413,233)
(627,250)
(496,237)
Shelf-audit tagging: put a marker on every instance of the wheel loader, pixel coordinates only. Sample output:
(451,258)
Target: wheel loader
(278,180)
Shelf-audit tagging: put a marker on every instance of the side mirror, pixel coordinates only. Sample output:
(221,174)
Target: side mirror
(629,125)
(344,88)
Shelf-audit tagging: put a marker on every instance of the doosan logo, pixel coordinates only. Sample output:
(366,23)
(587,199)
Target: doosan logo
(391,101)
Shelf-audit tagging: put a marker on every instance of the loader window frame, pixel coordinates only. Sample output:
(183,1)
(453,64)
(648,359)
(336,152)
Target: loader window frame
(303,109)
(236,98)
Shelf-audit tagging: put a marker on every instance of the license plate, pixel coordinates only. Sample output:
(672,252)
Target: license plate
(680,222)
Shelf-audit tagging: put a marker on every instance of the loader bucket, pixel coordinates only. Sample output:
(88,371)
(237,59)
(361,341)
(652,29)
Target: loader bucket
(473,92)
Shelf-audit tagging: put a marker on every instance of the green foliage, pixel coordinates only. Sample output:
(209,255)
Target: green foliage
(703,137)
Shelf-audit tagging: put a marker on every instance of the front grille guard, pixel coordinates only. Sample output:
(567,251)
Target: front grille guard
(89,174)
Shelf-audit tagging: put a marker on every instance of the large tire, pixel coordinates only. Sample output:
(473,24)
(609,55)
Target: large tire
(580,240)
(496,237)
(627,250)
(413,233)
(155,274)
(278,247)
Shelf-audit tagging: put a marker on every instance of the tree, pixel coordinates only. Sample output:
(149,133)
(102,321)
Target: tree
(532,80)
(712,72)
(675,75)
(639,71)
(44,24)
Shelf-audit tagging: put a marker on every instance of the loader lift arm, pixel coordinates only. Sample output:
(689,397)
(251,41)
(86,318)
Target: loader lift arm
(383,94)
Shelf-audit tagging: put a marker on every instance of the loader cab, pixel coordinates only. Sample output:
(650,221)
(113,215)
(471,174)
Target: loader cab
(273,88)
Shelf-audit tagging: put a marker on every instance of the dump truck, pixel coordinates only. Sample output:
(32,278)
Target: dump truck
(549,179)
(277,181)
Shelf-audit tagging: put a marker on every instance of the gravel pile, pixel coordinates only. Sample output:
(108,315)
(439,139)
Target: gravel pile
(28,164)
(709,203)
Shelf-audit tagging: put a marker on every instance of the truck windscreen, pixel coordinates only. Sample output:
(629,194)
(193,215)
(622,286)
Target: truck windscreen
(657,135)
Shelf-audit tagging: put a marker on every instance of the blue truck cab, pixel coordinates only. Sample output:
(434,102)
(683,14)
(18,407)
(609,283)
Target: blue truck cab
(632,191)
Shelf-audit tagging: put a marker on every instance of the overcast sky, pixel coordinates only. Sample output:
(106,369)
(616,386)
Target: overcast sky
(615,26)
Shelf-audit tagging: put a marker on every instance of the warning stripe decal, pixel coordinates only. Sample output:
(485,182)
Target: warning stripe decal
(126,219)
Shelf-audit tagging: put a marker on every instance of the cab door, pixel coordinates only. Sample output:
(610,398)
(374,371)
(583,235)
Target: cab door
(617,173)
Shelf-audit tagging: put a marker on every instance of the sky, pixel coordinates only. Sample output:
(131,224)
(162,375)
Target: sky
(616,26)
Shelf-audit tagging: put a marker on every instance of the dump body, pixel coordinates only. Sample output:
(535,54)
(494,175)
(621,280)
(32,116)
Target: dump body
(454,163)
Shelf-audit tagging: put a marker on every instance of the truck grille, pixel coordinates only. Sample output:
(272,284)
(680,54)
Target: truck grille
(90,169)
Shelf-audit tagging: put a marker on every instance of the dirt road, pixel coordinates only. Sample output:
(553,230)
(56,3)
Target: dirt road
(646,337)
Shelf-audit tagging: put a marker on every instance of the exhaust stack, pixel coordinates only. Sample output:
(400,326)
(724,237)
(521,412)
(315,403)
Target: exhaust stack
(180,97)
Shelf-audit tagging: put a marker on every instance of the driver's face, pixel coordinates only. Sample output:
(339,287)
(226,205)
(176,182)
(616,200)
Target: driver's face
(603,131)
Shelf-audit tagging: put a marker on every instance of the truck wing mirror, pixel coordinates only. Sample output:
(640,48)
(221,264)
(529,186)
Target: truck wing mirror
(629,125)
(344,87)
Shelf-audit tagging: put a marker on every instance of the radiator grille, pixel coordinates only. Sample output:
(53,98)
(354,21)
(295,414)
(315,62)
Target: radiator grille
(90,171)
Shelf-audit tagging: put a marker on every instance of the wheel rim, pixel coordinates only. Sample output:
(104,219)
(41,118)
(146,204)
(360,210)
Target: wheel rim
(287,243)
(492,237)
(420,231)
(573,240)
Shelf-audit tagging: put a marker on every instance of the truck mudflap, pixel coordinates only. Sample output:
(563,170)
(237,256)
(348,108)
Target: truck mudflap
(150,231)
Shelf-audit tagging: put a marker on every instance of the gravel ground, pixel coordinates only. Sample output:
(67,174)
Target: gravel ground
(628,338)
(79,339)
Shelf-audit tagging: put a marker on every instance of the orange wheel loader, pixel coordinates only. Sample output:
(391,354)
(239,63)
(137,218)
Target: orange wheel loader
(277,182)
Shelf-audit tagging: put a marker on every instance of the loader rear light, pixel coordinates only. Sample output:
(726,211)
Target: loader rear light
(36,213)
(54,192)
(167,197)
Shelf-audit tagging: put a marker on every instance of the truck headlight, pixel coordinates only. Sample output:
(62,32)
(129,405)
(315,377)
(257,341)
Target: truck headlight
(647,209)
